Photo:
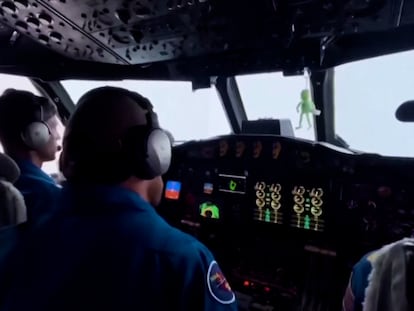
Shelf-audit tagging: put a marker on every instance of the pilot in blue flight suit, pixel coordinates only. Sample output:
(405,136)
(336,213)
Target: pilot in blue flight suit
(29,134)
(363,293)
(358,282)
(109,249)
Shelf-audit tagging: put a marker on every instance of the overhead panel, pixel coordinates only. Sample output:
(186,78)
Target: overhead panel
(120,32)
(125,32)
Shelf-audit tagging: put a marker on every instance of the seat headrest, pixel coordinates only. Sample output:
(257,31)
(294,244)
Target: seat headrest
(12,206)
(8,169)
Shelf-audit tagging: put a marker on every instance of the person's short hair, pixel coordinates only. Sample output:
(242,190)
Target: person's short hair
(18,109)
(91,144)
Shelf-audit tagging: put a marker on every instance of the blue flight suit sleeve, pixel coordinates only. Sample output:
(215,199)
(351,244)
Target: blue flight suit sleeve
(39,190)
(358,282)
(41,200)
(205,286)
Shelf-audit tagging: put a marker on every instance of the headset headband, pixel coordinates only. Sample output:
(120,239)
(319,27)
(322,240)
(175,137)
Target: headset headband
(145,105)
(41,119)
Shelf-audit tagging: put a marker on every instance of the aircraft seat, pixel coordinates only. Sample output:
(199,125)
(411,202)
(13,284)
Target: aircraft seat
(13,216)
(12,206)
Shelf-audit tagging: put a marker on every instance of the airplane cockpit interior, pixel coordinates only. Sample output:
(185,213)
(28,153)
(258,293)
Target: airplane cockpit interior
(284,161)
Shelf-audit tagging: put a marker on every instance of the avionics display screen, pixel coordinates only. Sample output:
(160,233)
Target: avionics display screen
(209,210)
(307,208)
(208,188)
(268,202)
(172,190)
(232,183)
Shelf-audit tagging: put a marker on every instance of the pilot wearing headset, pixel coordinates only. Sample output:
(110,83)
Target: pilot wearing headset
(28,133)
(109,249)
(361,278)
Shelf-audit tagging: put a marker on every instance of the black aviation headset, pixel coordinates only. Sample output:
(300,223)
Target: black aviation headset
(144,151)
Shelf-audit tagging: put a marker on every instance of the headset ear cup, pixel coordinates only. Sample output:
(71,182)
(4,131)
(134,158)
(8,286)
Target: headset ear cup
(36,135)
(134,150)
(147,152)
(158,152)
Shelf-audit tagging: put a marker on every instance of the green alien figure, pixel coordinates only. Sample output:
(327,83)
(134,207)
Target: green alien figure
(306,107)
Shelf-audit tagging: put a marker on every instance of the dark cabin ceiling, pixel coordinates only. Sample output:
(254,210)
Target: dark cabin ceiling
(195,39)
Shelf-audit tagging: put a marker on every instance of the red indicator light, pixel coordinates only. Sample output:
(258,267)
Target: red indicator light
(246,283)
(267,289)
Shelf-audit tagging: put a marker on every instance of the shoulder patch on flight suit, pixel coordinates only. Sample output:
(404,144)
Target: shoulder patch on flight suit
(218,286)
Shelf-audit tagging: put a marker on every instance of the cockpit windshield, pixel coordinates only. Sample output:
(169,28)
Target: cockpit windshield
(367,94)
(274,96)
(187,114)
(199,114)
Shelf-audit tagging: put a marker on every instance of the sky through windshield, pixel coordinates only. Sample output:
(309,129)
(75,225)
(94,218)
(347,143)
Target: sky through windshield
(367,93)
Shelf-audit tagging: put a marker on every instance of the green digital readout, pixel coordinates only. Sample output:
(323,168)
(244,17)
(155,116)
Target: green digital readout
(308,208)
(232,184)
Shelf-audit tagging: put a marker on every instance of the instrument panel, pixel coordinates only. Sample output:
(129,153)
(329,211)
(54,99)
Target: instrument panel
(287,218)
